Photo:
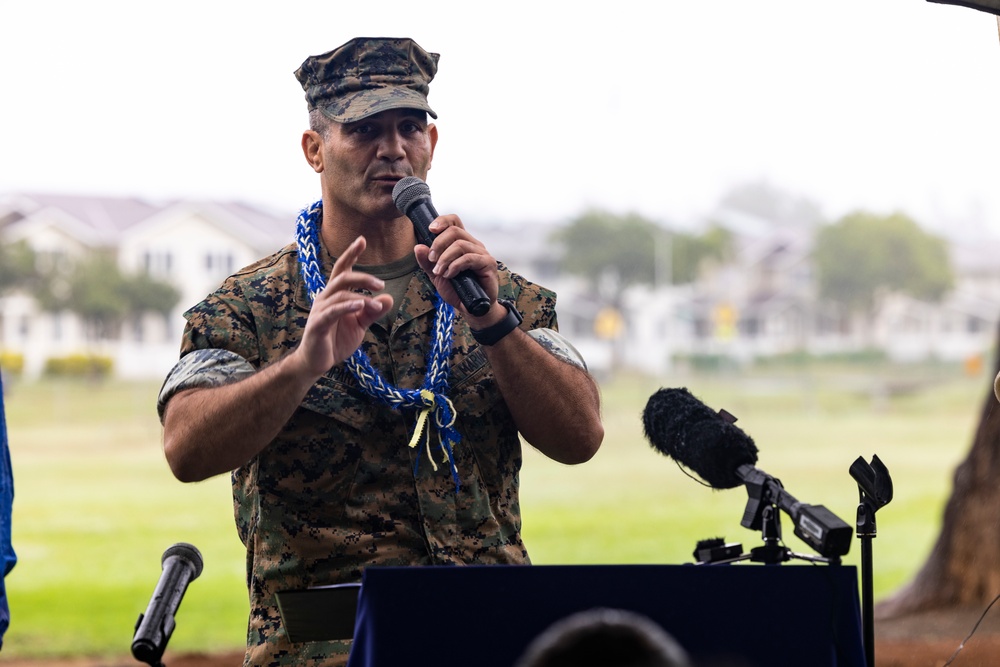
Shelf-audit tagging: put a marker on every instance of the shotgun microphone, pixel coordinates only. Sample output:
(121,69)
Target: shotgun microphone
(181,565)
(413,198)
(683,428)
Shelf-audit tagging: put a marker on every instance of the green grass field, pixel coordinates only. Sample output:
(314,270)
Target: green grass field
(96,506)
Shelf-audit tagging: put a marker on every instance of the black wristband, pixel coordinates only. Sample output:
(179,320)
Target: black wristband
(492,335)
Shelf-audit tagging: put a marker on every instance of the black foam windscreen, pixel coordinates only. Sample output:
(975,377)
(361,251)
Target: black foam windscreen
(680,426)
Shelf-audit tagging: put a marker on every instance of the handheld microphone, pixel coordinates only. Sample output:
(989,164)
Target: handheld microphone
(413,198)
(681,427)
(181,564)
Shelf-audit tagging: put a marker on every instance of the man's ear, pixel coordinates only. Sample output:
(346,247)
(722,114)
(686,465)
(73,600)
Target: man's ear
(432,132)
(312,148)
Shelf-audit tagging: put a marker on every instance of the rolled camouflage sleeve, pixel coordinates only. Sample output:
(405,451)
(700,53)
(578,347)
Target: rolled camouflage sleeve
(557,345)
(210,367)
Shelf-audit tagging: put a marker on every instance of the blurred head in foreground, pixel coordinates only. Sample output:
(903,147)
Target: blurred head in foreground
(604,638)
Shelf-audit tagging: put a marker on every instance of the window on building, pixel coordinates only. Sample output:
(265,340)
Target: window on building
(50,260)
(702,327)
(975,324)
(159,263)
(219,262)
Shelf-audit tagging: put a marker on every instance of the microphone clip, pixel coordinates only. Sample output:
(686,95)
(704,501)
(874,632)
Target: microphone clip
(874,490)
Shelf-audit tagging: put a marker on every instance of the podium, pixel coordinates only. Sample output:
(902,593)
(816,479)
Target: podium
(746,615)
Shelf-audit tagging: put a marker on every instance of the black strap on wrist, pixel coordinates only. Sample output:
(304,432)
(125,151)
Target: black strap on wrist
(491,335)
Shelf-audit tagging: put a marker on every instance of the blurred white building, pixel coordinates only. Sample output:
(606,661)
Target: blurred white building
(191,245)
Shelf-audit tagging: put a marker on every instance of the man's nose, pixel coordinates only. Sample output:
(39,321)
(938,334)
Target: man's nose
(390,146)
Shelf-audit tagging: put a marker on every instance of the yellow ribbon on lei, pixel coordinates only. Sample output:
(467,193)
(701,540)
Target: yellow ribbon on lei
(430,403)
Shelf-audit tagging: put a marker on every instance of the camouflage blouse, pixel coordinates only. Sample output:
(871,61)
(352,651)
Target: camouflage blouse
(339,489)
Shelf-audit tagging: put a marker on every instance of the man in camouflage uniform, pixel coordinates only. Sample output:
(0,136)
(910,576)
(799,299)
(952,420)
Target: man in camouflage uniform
(324,483)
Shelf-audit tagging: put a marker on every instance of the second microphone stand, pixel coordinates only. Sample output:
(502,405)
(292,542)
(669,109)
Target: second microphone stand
(875,491)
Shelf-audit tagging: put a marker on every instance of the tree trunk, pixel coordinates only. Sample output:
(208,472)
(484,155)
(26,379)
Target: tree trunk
(963,568)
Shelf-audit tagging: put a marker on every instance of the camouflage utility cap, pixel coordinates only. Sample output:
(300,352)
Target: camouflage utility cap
(368,75)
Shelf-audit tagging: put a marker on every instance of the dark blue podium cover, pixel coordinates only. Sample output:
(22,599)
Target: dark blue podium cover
(748,615)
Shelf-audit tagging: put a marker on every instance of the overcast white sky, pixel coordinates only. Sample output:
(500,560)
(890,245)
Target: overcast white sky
(545,107)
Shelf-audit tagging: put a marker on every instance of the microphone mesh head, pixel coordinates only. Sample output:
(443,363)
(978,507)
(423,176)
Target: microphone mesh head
(187,552)
(408,191)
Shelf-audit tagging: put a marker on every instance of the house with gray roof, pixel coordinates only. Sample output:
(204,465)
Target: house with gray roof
(192,245)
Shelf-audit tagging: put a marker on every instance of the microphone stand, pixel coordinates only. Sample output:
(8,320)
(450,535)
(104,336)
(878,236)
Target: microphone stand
(875,491)
(770,553)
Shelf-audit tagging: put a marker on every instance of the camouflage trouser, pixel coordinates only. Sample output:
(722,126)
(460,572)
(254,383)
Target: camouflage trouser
(283,653)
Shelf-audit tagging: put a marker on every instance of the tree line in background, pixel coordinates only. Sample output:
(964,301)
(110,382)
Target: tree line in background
(857,258)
